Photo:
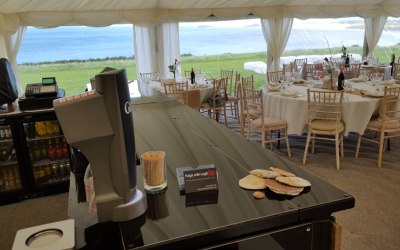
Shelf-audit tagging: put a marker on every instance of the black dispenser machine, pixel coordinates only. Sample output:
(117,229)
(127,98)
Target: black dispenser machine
(99,123)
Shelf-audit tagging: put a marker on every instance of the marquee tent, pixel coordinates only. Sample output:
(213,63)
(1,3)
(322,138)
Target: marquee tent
(156,21)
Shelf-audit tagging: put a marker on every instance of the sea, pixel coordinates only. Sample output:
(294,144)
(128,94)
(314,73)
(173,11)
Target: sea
(83,43)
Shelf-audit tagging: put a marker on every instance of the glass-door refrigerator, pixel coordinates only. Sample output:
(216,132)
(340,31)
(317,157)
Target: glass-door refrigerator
(48,153)
(10,173)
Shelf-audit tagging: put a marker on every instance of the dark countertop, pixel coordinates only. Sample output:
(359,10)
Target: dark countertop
(190,139)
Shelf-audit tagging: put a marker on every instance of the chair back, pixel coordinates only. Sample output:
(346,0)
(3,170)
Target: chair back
(352,71)
(299,64)
(230,85)
(389,108)
(148,76)
(219,96)
(288,68)
(248,82)
(176,91)
(251,101)
(275,76)
(308,71)
(197,72)
(324,105)
(396,71)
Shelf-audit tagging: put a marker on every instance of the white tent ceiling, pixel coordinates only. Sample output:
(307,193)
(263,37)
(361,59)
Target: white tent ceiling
(18,6)
(52,13)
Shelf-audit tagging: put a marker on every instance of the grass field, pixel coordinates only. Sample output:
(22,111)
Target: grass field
(73,76)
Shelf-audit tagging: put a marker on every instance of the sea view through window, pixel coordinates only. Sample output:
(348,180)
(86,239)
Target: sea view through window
(196,39)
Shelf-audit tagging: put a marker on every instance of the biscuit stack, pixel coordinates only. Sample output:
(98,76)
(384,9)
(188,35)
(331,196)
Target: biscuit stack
(277,180)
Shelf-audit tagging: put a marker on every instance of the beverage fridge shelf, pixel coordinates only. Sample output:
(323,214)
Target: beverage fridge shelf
(5,140)
(8,163)
(43,138)
(48,161)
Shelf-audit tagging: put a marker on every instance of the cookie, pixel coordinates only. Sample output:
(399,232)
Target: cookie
(252,182)
(264,173)
(282,172)
(293,181)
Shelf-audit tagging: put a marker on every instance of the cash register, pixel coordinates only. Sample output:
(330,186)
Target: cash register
(40,95)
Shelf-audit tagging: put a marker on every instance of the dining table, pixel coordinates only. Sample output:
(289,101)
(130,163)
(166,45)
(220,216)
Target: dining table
(360,103)
(156,88)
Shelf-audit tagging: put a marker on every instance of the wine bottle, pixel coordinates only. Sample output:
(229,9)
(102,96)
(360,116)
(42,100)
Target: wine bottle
(392,64)
(192,76)
(341,80)
(347,61)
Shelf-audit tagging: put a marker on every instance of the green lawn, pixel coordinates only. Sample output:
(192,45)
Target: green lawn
(73,76)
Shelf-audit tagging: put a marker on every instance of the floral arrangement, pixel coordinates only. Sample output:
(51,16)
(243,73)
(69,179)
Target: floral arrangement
(344,51)
(172,68)
(329,67)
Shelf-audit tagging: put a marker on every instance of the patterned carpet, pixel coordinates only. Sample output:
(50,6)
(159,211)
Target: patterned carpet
(374,222)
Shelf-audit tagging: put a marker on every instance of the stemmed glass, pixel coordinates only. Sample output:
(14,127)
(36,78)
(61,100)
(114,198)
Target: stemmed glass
(317,74)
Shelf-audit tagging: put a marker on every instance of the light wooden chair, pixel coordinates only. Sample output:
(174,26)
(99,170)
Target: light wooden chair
(148,76)
(352,71)
(216,105)
(324,118)
(248,82)
(197,72)
(288,68)
(308,71)
(252,102)
(387,124)
(232,102)
(275,76)
(176,91)
(396,71)
(299,64)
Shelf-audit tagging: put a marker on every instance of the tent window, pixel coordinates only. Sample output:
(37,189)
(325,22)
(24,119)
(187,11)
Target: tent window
(74,54)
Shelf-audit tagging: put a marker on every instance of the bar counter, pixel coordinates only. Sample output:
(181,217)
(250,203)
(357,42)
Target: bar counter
(230,218)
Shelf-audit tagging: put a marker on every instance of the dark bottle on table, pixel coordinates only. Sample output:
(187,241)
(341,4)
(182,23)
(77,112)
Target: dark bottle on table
(192,76)
(392,64)
(341,80)
(347,61)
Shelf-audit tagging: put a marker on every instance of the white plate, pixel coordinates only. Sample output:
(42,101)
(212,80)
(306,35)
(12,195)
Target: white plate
(274,87)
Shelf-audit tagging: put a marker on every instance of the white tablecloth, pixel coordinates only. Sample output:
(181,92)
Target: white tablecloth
(357,110)
(154,88)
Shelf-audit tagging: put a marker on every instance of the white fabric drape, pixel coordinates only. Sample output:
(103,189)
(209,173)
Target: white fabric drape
(144,47)
(276,34)
(156,47)
(168,48)
(373,31)
(12,44)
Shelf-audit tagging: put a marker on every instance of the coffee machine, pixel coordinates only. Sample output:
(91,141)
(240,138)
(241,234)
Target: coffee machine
(99,123)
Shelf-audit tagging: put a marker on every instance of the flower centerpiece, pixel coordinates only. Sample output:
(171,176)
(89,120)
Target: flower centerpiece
(173,67)
(329,69)
(344,52)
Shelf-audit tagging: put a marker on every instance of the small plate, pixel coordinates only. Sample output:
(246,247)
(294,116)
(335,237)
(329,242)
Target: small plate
(274,87)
